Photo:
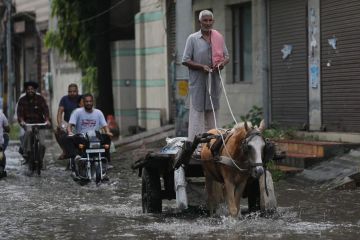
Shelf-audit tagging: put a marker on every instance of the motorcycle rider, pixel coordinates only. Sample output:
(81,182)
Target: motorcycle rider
(83,120)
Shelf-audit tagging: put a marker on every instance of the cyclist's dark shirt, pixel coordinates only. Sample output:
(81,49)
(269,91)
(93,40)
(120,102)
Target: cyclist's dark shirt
(33,110)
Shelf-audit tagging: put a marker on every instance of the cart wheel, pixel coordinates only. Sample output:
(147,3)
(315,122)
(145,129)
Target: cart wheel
(151,191)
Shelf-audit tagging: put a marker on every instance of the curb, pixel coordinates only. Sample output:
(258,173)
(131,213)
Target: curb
(146,137)
(151,135)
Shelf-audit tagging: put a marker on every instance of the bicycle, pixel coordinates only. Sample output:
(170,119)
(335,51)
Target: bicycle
(35,158)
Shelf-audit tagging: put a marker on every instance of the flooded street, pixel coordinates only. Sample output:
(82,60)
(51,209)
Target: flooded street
(53,206)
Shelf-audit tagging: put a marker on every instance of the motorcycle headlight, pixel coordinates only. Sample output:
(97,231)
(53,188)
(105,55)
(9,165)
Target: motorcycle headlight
(94,145)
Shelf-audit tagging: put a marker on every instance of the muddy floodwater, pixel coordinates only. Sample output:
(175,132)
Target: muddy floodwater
(53,206)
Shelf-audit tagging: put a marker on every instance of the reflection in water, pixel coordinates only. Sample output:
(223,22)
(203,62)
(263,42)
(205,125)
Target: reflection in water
(53,206)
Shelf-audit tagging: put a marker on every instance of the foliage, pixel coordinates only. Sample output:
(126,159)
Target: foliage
(275,172)
(73,35)
(255,115)
(89,85)
(280,133)
(228,126)
(14,131)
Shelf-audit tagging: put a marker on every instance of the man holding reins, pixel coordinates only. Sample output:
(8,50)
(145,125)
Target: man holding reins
(205,54)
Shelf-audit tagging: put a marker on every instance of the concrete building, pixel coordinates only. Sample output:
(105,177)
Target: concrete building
(314,65)
(293,58)
(149,82)
(34,62)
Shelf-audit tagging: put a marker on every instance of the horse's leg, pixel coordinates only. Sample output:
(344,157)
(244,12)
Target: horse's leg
(230,198)
(209,188)
(238,194)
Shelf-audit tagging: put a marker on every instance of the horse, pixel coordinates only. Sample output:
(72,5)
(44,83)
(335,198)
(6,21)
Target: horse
(226,174)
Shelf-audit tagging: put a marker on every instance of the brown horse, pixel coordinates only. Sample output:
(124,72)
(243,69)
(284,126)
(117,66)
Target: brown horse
(240,157)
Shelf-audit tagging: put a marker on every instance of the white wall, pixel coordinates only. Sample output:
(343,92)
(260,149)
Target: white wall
(63,73)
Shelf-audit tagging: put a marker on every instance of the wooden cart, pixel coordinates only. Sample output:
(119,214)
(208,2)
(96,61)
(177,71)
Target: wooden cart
(157,167)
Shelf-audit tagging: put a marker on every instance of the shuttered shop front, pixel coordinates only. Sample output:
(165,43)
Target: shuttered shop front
(340,65)
(289,87)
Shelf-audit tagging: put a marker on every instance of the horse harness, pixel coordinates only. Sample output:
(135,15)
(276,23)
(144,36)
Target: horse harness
(268,152)
(217,147)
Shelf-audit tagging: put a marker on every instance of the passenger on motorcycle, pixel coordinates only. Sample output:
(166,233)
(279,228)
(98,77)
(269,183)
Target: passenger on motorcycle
(67,105)
(83,120)
(32,108)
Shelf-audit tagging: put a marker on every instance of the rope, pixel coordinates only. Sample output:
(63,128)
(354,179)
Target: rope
(227,100)
(215,122)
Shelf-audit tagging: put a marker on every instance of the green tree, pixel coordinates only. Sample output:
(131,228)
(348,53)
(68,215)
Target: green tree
(82,32)
(72,34)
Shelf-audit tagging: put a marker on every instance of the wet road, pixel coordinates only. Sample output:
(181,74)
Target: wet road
(53,206)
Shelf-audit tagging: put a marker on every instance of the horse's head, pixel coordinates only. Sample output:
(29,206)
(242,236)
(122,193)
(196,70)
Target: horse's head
(253,148)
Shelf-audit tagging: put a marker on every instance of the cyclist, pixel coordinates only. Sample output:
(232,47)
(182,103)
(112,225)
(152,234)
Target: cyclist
(32,108)
(4,129)
(83,120)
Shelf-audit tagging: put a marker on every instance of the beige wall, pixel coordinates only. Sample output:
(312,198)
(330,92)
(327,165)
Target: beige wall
(152,96)
(124,84)
(40,7)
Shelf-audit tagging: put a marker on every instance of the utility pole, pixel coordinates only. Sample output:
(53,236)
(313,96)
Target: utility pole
(10,74)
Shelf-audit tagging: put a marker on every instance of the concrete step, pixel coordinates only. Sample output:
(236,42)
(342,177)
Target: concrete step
(299,160)
(288,170)
(304,154)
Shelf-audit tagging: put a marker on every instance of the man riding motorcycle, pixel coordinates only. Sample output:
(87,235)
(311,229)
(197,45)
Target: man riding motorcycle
(83,120)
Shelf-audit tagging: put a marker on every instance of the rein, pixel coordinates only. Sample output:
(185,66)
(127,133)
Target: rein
(229,161)
(217,129)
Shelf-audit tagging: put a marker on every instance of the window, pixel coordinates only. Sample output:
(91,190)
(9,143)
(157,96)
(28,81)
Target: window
(242,43)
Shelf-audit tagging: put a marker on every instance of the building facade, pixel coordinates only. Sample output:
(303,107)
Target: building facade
(314,65)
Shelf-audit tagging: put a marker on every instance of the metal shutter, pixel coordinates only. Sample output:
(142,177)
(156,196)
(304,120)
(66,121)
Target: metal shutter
(340,67)
(289,85)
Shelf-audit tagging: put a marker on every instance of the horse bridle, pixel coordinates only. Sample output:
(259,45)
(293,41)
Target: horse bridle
(245,146)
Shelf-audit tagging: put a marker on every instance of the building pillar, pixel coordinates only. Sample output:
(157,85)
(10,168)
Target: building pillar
(152,96)
(184,23)
(314,65)
(261,59)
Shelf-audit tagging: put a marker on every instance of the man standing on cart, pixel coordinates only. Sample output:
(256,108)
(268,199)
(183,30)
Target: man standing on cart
(205,54)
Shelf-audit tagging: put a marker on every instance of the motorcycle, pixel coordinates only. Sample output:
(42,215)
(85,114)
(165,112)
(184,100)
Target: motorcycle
(93,161)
